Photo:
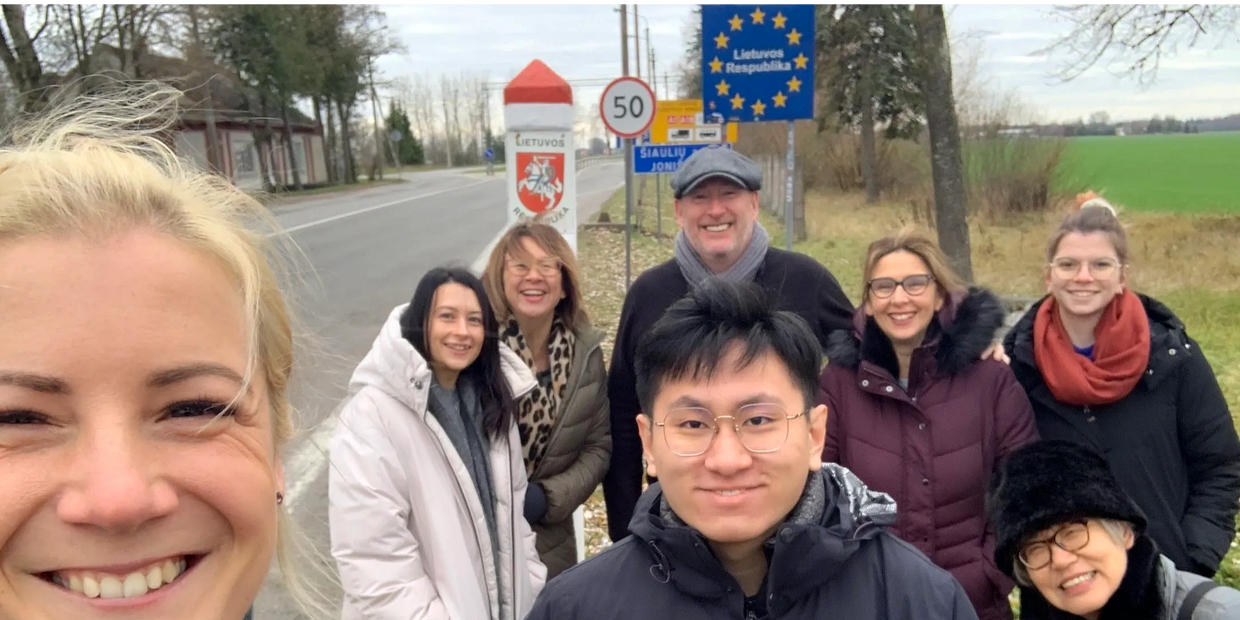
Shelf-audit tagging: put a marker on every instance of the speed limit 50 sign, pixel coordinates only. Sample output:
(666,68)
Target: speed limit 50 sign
(627,107)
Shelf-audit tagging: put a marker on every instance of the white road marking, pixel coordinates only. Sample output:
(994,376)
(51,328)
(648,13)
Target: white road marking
(341,216)
(304,465)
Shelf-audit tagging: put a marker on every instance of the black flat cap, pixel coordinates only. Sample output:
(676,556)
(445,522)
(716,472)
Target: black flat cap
(716,163)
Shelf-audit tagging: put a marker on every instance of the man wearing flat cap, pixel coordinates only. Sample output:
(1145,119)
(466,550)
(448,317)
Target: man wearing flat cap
(716,192)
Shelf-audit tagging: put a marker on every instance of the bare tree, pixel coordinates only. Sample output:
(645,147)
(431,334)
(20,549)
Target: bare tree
(7,101)
(138,27)
(946,156)
(450,97)
(198,56)
(1138,34)
(477,91)
(981,107)
(19,55)
(421,106)
(77,31)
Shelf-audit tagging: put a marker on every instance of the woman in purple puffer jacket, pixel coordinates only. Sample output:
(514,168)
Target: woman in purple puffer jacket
(916,411)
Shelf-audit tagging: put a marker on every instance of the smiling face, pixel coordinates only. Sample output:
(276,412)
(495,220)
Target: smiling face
(534,294)
(126,497)
(1084,275)
(729,494)
(717,218)
(1081,582)
(903,317)
(454,331)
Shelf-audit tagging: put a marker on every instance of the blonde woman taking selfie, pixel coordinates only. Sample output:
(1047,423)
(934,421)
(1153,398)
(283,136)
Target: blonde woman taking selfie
(145,358)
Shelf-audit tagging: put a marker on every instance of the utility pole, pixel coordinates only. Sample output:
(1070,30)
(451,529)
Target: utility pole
(650,59)
(637,44)
(628,158)
(654,77)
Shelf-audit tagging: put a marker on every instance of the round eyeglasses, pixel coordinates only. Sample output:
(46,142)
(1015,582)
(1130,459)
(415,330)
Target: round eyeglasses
(547,267)
(1068,268)
(761,428)
(1073,536)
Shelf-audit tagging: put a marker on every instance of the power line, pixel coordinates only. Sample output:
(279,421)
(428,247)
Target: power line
(602,81)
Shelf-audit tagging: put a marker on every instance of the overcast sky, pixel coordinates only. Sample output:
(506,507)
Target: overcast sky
(582,43)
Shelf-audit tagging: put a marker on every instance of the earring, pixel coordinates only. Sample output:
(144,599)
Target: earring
(279,498)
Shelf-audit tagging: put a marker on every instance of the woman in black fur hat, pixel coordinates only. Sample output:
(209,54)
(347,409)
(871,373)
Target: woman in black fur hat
(1076,544)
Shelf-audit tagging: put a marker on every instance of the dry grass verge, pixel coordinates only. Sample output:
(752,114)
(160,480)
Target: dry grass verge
(1188,261)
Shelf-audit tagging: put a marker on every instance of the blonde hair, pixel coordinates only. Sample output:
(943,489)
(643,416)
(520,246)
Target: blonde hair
(101,165)
(571,309)
(915,241)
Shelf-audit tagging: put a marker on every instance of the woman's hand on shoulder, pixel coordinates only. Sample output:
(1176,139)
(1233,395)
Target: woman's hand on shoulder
(996,352)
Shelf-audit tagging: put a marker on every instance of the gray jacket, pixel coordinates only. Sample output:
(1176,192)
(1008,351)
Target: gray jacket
(1221,603)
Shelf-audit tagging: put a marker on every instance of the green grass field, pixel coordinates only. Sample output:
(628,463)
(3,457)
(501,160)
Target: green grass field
(1170,173)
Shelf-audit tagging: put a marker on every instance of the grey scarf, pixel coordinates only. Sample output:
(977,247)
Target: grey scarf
(459,412)
(696,271)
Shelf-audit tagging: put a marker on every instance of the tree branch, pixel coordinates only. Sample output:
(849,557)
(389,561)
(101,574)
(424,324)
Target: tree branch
(1141,33)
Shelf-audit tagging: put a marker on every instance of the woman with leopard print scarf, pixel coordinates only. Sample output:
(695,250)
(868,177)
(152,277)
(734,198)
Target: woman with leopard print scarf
(532,282)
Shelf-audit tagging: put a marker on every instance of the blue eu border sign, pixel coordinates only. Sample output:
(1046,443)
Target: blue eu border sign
(666,158)
(758,62)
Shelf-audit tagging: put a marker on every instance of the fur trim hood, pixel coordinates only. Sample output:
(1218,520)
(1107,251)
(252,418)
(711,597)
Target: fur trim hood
(960,331)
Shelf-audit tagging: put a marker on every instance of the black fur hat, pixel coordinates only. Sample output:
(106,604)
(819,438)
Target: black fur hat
(1047,483)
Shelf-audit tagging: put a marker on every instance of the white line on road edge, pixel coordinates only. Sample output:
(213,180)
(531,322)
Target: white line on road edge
(304,466)
(293,229)
(480,263)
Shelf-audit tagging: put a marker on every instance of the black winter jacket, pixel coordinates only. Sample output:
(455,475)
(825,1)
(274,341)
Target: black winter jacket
(795,281)
(844,566)
(1171,441)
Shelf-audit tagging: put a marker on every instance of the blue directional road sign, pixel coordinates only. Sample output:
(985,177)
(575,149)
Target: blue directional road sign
(665,158)
(489,153)
(758,61)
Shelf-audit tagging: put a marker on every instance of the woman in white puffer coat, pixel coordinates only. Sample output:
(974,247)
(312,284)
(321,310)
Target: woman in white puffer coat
(427,481)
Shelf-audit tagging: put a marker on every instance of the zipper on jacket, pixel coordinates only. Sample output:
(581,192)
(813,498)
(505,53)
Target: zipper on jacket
(516,544)
(473,528)
(1089,417)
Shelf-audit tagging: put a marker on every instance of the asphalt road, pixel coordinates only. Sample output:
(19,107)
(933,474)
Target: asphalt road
(358,255)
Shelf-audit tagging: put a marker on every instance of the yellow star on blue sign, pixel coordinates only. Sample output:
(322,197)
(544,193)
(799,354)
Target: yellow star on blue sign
(761,65)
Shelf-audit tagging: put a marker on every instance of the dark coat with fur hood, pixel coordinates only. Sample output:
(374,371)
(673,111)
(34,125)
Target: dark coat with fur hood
(931,447)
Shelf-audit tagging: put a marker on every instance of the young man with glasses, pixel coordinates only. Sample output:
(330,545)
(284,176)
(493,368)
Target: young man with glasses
(746,520)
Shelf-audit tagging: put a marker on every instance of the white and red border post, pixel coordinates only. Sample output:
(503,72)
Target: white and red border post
(539,153)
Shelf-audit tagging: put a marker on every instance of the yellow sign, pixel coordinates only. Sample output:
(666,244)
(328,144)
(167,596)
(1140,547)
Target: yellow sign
(680,120)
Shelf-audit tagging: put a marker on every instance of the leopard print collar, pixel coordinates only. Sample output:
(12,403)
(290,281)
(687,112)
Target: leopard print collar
(537,410)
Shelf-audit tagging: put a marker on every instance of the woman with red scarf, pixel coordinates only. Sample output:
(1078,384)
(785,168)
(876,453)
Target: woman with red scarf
(1116,370)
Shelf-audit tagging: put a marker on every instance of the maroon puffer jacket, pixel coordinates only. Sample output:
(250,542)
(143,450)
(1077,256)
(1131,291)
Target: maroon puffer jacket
(931,447)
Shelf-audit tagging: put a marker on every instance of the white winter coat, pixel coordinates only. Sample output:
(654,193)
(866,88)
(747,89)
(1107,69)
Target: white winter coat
(407,528)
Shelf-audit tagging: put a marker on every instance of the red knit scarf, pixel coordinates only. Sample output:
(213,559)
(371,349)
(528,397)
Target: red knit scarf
(1121,352)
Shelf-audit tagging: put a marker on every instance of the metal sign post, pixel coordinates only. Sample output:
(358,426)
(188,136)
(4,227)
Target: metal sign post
(791,165)
(627,108)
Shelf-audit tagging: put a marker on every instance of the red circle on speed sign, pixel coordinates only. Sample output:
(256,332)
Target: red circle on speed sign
(627,107)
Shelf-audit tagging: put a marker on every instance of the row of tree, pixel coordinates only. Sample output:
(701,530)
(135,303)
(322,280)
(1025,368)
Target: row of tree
(276,56)
(453,117)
